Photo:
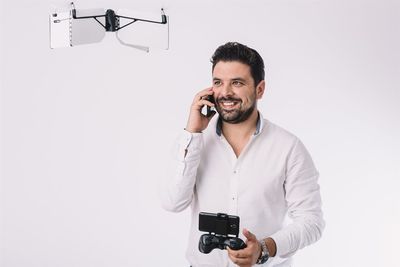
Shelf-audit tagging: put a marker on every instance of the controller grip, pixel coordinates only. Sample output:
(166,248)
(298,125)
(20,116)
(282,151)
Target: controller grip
(235,243)
(207,243)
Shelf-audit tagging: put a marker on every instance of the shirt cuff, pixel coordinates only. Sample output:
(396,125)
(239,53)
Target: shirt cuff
(282,244)
(189,142)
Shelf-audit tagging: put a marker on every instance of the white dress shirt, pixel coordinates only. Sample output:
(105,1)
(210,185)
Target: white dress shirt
(272,179)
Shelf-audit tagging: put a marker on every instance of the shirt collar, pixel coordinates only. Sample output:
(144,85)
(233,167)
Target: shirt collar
(259,125)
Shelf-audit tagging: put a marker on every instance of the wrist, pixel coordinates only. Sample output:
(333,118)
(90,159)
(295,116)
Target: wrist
(264,253)
(192,130)
(271,246)
(193,127)
(267,249)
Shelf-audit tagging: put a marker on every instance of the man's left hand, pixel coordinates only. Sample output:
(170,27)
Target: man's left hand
(248,256)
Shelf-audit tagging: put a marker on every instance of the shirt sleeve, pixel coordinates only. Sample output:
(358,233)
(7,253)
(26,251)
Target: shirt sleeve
(303,199)
(176,190)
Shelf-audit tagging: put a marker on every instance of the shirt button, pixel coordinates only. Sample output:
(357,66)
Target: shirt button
(235,171)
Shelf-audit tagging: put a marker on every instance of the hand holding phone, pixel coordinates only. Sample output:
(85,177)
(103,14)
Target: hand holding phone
(198,121)
(209,110)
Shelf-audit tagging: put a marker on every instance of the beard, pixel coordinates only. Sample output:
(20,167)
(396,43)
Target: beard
(236,115)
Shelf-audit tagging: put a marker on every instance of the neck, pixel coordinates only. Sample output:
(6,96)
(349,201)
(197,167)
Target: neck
(240,131)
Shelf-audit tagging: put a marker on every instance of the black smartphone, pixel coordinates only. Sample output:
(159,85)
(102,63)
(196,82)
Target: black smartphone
(208,108)
(219,223)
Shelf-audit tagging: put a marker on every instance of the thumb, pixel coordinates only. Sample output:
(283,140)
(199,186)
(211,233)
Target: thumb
(249,235)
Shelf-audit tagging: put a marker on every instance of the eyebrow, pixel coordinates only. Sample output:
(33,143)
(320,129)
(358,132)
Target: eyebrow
(233,79)
(238,79)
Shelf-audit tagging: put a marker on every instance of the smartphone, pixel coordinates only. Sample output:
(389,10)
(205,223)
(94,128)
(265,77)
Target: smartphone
(219,223)
(208,108)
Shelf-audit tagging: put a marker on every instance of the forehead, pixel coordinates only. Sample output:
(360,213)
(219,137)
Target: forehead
(231,69)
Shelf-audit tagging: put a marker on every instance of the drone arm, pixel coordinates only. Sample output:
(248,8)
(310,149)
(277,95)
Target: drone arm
(95,17)
(84,17)
(163,19)
(112,20)
(127,24)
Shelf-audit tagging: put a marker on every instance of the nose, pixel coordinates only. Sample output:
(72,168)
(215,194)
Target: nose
(225,89)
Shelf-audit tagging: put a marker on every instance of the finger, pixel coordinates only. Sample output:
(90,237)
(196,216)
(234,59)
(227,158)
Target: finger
(204,92)
(203,95)
(200,103)
(241,253)
(240,261)
(249,235)
(207,102)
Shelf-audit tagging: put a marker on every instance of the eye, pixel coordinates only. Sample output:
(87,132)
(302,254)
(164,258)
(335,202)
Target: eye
(237,83)
(217,83)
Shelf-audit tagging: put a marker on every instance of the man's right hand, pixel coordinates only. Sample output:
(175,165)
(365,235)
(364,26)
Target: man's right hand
(197,121)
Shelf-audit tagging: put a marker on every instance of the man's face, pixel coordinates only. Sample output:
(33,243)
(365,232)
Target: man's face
(234,91)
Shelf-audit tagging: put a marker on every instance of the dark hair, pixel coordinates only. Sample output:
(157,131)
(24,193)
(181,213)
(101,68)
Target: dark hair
(234,51)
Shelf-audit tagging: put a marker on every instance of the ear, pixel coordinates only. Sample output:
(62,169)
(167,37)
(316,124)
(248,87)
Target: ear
(260,89)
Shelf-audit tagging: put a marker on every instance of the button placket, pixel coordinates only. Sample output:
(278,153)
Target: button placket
(233,197)
(234,178)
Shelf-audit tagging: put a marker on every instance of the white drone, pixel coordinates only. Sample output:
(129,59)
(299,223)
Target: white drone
(72,27)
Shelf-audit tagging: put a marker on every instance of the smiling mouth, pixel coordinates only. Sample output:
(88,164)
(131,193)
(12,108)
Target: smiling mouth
(229,104)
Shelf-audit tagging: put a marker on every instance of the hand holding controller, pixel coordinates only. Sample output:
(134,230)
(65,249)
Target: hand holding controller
(223,231)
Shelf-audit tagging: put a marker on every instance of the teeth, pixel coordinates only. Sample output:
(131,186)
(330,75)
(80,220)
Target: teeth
(228,103)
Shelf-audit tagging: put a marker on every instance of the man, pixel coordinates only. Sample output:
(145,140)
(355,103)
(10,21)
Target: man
(241,164)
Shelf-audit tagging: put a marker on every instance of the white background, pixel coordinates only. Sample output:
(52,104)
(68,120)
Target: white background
(86,130)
